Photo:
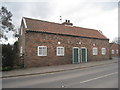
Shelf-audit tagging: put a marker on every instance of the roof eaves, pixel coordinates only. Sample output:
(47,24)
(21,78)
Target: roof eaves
(28,30)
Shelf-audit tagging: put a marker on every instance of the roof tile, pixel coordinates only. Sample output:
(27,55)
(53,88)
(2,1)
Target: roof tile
(50,27)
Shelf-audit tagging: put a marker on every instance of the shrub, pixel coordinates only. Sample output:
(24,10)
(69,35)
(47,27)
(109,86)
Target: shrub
(7,56)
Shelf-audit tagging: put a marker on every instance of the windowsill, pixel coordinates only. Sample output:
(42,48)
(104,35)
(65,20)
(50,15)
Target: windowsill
(60,55)
(42,55)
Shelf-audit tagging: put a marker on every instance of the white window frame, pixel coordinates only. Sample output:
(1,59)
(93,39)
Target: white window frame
(103,51)
(21,51)
(95,52)
(44,51)
(61,52)
(116,51)
(113,52)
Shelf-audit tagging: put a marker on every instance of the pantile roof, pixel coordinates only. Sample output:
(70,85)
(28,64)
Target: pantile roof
(56,28)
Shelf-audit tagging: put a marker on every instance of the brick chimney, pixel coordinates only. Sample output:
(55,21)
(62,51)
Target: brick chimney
(67,22)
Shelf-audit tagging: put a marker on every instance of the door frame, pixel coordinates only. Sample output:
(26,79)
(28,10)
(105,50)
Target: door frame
(81,53)
(73,55)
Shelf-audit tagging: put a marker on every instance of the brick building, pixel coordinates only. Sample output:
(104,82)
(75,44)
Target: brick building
(43,43)
(114,50)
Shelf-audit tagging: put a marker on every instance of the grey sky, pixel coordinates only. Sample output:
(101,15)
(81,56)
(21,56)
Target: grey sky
(83,13)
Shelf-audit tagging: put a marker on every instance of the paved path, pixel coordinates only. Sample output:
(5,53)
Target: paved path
(102,76)
(50,69)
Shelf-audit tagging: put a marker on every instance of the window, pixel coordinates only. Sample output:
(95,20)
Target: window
(21,51)
(116,51)
(42,51)
(60,51)
(103,51)
(95,51)
(112,51)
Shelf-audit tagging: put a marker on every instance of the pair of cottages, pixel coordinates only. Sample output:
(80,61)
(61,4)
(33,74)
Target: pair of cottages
(43,43)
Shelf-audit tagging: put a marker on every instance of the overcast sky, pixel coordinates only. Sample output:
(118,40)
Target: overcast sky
(95,14)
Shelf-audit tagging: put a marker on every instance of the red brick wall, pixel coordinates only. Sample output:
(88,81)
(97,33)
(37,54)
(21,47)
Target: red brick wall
(33,40)
(21,43)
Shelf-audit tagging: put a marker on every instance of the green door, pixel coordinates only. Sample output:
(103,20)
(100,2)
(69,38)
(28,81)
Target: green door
(84,53)
(75,55)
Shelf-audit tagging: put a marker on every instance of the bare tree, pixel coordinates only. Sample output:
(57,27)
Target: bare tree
(5,22)
(116,40)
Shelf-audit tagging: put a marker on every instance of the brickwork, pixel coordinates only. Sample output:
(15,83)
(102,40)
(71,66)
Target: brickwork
(35,39)
(21,43)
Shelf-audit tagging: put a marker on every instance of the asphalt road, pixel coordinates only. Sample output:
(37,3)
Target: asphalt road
(104,76)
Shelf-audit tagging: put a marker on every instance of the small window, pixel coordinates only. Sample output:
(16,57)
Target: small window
(95,51)
(21,51)
(103,51)
(112,51)
(60,51)
(42,51)
(116,51)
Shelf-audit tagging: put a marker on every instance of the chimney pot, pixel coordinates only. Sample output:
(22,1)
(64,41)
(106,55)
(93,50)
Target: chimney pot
(68,21)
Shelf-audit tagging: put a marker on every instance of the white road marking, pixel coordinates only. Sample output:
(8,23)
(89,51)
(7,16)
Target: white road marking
(98,77)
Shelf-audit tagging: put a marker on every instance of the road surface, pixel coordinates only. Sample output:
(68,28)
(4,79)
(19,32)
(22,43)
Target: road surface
(104,76)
